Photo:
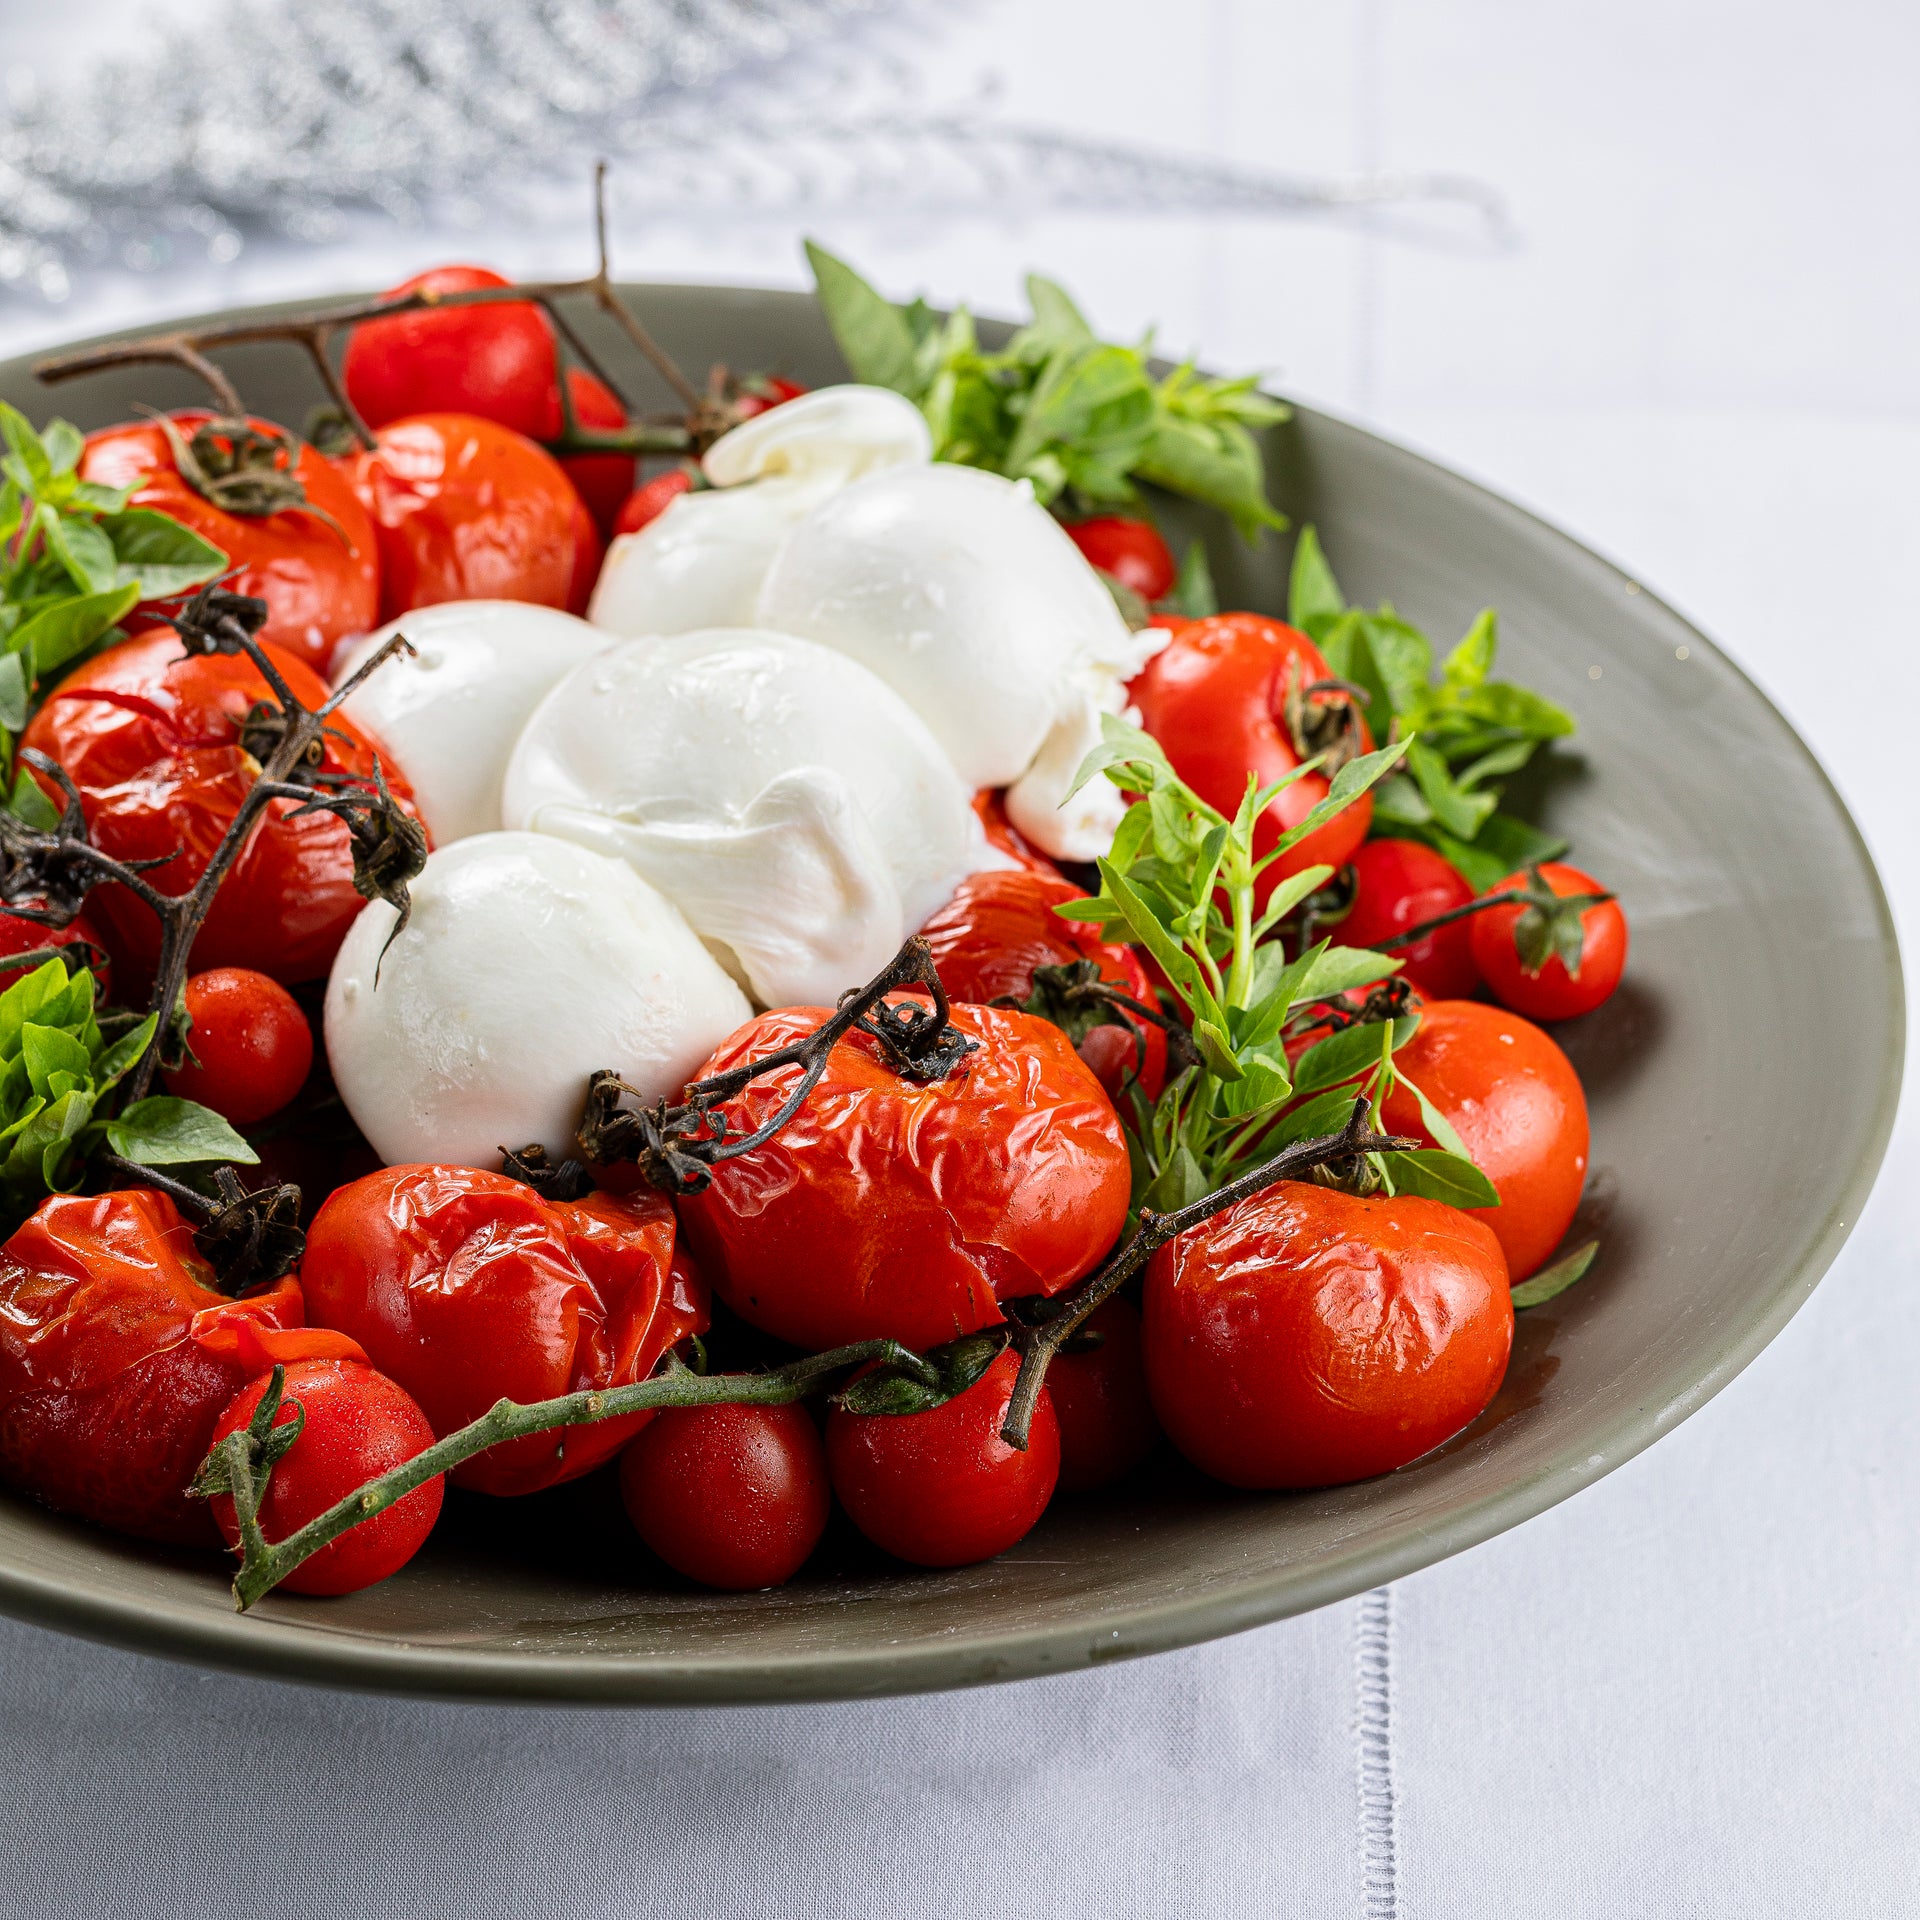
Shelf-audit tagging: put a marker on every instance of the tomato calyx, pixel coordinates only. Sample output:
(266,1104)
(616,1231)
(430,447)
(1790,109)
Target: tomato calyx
(1551,925)
(1077,997)
(917,1383)
(248,1237)
(242,469)
(562,1180)
(1323,719)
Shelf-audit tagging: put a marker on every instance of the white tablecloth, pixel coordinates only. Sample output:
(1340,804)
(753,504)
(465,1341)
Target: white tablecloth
(1695,1689)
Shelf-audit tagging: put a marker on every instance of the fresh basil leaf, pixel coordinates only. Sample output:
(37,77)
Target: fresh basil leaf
(80,547)
(1262,1085)
(1347,1055)
(1434,1175)
(1550,1282)
(1055,317)
(1178,1184)
(48,1053)
(1501,704)
(155,553)
(1346,787)
(1217,463)
(66,629)
(1216,1050)
(13,693)
(1509,757)
(162,1131)
(871,332)
(1325,1113)
(1398,801)
(26,462)
(1124,746)
(1314,599)
(1439,1128)
(118,1060)
(1468,665)
(1458,812)
(1340,970)
(1193,596)
(1288,895)
(1095,399)
(28,800)
(64,445)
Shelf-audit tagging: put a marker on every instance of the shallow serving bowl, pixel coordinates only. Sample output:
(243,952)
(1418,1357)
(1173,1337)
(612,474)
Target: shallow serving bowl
(1742,1083)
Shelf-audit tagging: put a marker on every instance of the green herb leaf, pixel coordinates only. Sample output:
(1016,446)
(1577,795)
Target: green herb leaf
(1314,599)
(1347,1055)
(157,555)
(1340,970)
(13,693)
(28,801)
(1550,1282)
(871,332)
(66,629)
(80,547)
(1193,596)
(162,1131)
(1435,1175)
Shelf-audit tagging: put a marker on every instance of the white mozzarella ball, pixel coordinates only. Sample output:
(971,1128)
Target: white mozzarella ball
(786,801)
(701,562)
(528,964)
(450,714)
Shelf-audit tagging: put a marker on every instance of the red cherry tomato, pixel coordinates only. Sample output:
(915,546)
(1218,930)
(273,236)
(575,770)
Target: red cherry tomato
(152,737)
(318,572)
(734,1497)
(1305,1338)
(464,509)
(941,1488)
(252,1042)
(587,555)
(1100,1399)
(989,804)
(26,936)
(1553,993)
(1216,699)
(761,393)
(650,500)
(1130,549)
(1399,884)
(603,480)
(359,1425)
(1517,1105)
(467,1287)
(886,1207)
(1001,925)
(117,1356)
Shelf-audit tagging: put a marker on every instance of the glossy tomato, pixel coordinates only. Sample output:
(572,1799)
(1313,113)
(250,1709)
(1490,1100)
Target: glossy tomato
(359,1425)
(990,807)
(886,1207)
(467,1287)
(1554,991)
(1130,549)
(465,509)
(647,502)
(587,555)
(734,1497)
(941,1488)
(1305,1338)
(155,741)
(19,936)
(318,571)
(117,1356)
(1217,698)
(252,1047)
(603,480)
(762,392)
(1398,884)
(1100,1399)
(1001,925)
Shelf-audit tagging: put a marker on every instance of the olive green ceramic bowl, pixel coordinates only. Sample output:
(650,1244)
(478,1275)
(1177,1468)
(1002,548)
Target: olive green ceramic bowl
(1742,1081)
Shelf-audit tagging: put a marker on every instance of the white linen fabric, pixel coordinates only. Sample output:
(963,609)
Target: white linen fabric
(1693,1690)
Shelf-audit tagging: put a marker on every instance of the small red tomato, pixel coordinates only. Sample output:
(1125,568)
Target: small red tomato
(1306,1338)
(1227,697)
(762,392)
(604,480)
(466,509)
(941,1488)
(1100,1399)
(1400,883)
(359,1424)
(587,555)
(888,1208)
(27,936)
(990,806)
(1555,992)
(734,1497)
(317,570)
(1130,549)
(252,1042)
(647,502)
(467,1287)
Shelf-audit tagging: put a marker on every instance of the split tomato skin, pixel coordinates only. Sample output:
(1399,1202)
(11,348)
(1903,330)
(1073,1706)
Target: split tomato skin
(1308,1338)
(891,1209)
(359,1424)
(151,737)
(1130,549)
(321,582)
(941,1488)
(1553,993)
(252,1042)
(1215,698)
(1400,883)
(1100,1398)
(467,1287)
(735,1497)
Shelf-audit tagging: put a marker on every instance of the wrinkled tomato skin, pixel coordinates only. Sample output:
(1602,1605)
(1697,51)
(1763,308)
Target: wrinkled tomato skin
(734,1497)
(1517,1105)
(648,501)
(467,1287)
(1130,549)
(941,1488)
(359,1424)
(990,808)
(1100,1398)
(1553,993)
(151,737)
(1307,1338)
(1399,884)
(117,1357)
(603,480)
(25,936)
(466,509)
(1215,699)
(321,583)
(887,1208)
(1000,925)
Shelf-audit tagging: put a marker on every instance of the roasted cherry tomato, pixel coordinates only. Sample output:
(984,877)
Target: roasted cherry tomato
(890,1208)
(1516,1103)
(1228,696)
(467,1287)
(1100,1399)
(647,502)
(316,566)
(158,743)
(28,936)
(762,392)
(1400,883)
(251,1041)
(117,1356)
(1000,926)
(359,1424)
(1305,1338)
(1554,992)
(733,1497)
(603,480)
(941,1488)
(989,804)
(465,509)
(587,555)
(1130,549)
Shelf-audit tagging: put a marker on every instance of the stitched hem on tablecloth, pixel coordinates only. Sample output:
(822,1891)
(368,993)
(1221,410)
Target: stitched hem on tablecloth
(1373,1754)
